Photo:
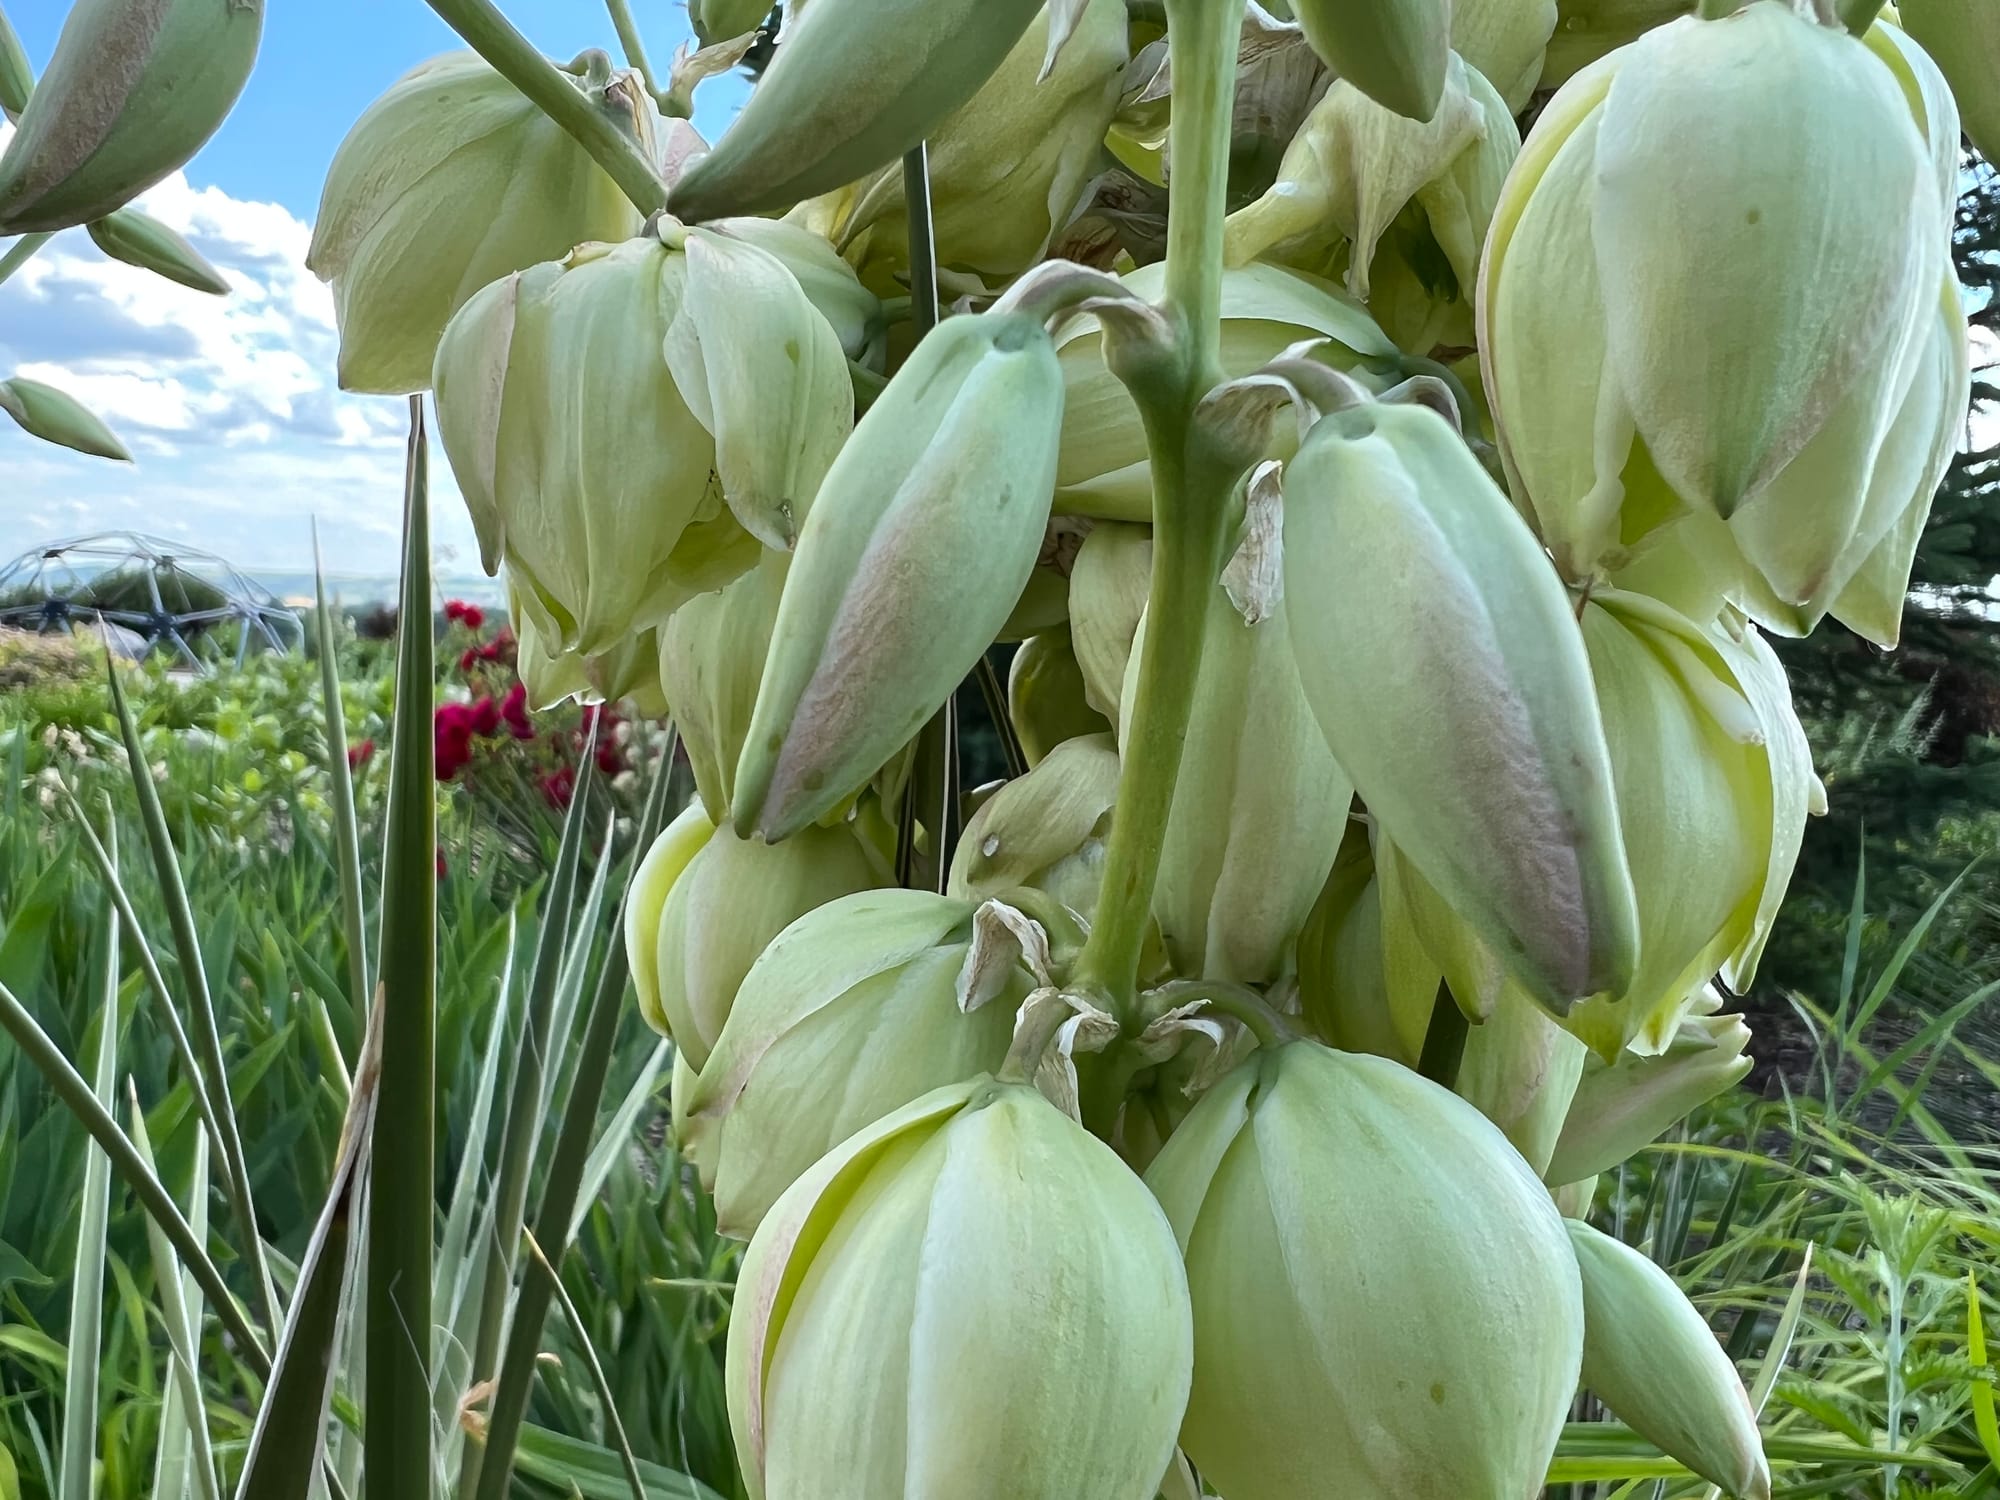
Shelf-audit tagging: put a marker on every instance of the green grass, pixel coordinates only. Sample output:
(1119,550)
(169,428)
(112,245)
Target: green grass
(239,762)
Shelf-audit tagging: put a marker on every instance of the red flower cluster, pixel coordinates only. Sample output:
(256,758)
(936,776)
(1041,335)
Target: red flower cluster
(471,616)
(360,754)
(604,718)
(452,731)
(559,786)
(514,713)
(498,650)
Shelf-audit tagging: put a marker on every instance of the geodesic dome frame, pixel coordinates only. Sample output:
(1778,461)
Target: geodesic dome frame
(162,592)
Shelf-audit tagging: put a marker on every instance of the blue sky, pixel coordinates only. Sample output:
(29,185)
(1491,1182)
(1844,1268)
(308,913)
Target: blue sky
(229,404)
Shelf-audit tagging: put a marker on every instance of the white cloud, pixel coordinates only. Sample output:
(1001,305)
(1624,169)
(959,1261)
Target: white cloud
(227,403)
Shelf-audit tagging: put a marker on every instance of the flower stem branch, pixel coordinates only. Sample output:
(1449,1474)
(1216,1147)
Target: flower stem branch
(1237,1001)
(514,58)
(1193,477)
(632,43)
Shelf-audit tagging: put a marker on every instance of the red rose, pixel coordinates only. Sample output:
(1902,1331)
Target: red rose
(486,717)
(359,755)
(558,787)
(514,713)
(451,735)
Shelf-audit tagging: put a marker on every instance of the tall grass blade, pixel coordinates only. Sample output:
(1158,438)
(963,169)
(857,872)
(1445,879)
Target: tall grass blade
(86,1297)
(288,1443)
(526,1116)
(107,872)
(68,1085)
(617,1133)
(613,1423)
(340,776)
(184,1446)
(573,1467)
(1984,1420)
(561,1191)
(1885,983)
(1777,1351)
(462,1253)
(578,951)
(194,973)
(397,1295)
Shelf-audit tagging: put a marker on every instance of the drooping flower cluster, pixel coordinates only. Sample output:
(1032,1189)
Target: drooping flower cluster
(1404,782)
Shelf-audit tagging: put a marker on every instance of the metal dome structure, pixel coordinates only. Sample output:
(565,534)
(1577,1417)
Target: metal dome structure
(162,594)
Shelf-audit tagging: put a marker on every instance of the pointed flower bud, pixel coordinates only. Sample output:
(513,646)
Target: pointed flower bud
(1046,829)
(1963,36)
(1406,1317)
(1649,1356)
(1259,804)
(1108,586)
(720,20)
(733,897)
(139,239)
(1505,40)
(712,652)
(56,417)
(600,472)
(1008,167)
(1622,1107)
(1609,303)
(450,181)
(922,539)
(1405,564)
(854,85)
(1395,51)
(1046,695)
(134,89)
(652,884)
(848,1014)
(1714,780)
(1105,470)
(1588,29)
(1520,1069)
(1365,982)
(984,1269)
(1355,167)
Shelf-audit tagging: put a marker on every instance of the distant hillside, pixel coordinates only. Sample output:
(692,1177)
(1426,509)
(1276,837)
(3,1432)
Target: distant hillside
(359,589)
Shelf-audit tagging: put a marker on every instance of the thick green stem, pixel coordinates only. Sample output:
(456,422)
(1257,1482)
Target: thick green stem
(514,58)
(1187,558)
(21,252)
(1192,483)
(1203,36)
(633,43)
